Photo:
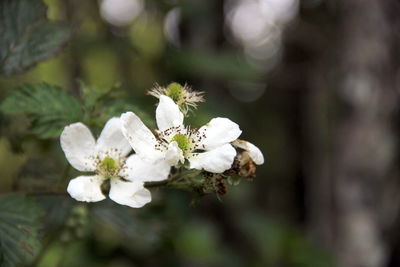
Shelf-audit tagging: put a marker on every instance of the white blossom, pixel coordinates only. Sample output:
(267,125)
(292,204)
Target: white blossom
(107,159)
(207,148)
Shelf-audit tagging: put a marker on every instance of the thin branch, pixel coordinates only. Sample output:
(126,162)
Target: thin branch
(63,191)
(156,184)
(36,193)
(179,180)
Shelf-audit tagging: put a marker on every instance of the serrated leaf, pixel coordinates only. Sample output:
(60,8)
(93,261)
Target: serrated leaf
(19,226)
(26,36)
(49,108)
(101,104)
(93,96)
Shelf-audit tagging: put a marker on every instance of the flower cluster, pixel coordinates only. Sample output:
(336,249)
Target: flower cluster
(214,150)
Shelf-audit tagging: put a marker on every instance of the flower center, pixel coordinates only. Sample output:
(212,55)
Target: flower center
(109,167)
(182,141)
(175,91)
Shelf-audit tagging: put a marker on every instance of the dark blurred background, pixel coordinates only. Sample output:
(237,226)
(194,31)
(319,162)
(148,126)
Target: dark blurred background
(313,83)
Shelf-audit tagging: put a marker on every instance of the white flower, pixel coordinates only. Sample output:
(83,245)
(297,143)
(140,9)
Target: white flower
(107,159)
(254,152)
(207,148)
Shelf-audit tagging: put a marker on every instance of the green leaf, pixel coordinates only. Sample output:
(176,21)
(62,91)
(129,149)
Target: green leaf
(93,96)
(117,107)
(27,37)
(101,104)
(49,108)
(19,225)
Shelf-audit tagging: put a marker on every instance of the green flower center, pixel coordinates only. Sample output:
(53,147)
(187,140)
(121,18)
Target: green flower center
(182,141)
(108,167)
(175,91)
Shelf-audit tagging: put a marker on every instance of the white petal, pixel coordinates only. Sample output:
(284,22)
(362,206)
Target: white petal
(137,169)
(216,161)
(111,141)
(132,194)
(254,152)
(140,138)
(86,188)
(78,144)
(218,132)
(168,114)
(174,154)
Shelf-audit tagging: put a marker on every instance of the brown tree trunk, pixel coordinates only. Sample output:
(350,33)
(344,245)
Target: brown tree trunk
(351,139)
(363,141)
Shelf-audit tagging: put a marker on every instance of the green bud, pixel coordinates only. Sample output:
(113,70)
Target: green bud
(175,91)
(80,232)
(234,180)
(80,211)
(65,236)
(71,222)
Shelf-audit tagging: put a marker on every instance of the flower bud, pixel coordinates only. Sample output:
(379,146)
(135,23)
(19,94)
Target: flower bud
(183,96)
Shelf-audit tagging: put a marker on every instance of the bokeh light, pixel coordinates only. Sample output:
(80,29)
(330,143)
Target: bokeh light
(120,12)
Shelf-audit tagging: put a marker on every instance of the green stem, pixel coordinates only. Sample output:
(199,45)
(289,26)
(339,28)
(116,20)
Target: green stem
(65,174)
(36,193)
(156,184)
(179,180)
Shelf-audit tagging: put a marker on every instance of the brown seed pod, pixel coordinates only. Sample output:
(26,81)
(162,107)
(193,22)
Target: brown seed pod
(220,187)
(243,166)
(247,168)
